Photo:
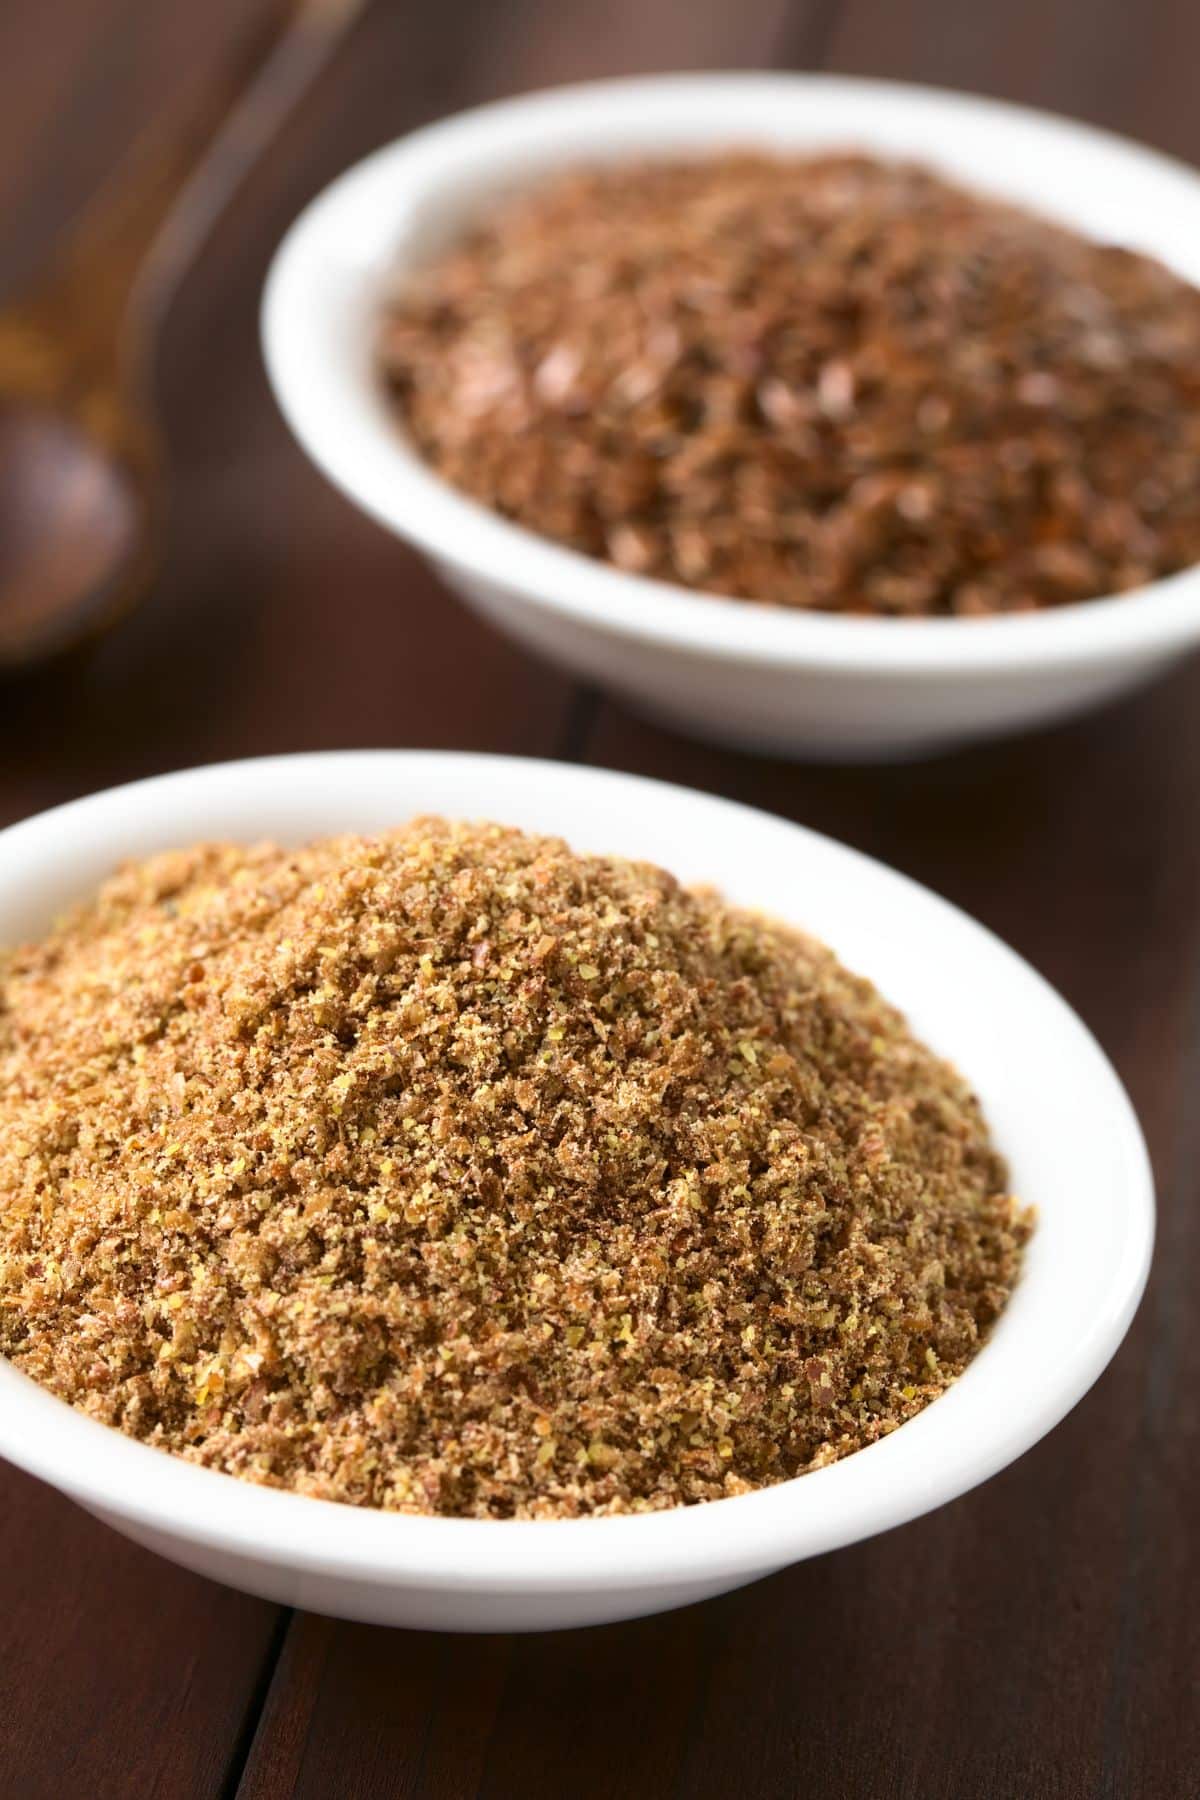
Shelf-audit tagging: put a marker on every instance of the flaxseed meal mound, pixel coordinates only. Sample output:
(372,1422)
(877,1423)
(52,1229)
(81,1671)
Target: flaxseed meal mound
(449,1171)
(836,383)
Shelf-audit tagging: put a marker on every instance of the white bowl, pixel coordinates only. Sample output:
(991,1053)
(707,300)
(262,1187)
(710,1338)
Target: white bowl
(792,682)
(1055,1105)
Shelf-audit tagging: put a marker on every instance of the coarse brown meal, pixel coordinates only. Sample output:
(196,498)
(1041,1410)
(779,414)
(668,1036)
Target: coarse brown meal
(834,383)
(449,1171)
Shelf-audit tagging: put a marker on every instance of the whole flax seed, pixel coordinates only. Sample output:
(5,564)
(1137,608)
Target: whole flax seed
(835,383)
(449,1171)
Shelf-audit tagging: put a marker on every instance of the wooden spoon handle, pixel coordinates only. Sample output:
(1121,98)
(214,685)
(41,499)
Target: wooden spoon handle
(122,261)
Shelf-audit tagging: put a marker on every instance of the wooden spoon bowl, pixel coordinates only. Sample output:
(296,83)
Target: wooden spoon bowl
(82,472)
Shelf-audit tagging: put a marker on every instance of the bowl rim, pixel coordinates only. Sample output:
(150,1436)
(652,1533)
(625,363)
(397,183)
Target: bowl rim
(372,465)
(955,1443)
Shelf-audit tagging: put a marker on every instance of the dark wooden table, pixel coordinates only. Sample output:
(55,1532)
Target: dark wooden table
(1040,1637)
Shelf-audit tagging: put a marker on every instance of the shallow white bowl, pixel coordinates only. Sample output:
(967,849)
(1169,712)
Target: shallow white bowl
(797,683)
(1055,1105)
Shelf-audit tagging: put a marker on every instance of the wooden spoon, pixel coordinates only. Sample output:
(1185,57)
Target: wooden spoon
(82,481)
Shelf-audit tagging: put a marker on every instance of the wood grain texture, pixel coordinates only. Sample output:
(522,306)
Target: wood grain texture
(120,1675)
(282,621)
(1037,1639)
(1078,846)
(1079,1673)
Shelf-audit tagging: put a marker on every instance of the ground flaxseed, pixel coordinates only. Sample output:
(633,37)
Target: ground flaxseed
(834,383)
(448,1171)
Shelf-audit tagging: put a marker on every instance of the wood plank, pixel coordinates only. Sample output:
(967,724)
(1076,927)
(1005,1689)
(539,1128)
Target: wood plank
(418,1714)
(282,621)
(413,1714)
(1012,1616)
(76,96)
(1028,1639)
(1034,1640)
(1127,68)
(120,1675)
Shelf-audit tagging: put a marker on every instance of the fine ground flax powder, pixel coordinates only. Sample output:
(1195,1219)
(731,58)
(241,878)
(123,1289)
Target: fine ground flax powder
(448,1171)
